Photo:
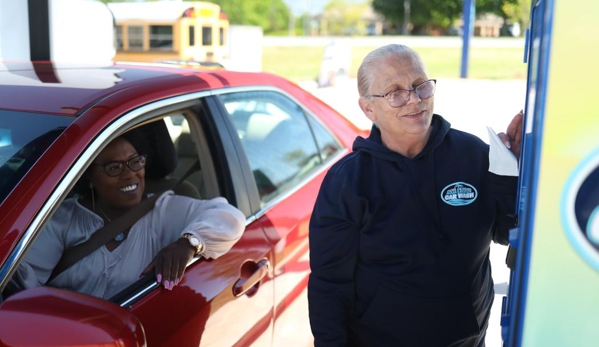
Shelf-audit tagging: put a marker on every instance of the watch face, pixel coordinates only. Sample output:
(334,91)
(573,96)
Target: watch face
(194,241)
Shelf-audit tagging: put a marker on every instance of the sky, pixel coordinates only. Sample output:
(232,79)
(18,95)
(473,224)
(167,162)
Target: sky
(312,6)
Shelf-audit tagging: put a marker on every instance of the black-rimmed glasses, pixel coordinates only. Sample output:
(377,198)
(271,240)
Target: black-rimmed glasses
(115,168)
(400,97)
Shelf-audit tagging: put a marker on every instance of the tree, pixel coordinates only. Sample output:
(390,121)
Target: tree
(518,13)
(343,17)
(440,13)
(107,1)
(271,15)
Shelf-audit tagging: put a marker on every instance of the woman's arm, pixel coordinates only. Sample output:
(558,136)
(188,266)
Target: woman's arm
(217,224)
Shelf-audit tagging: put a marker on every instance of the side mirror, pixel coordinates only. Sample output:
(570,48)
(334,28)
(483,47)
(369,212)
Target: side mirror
(54,317)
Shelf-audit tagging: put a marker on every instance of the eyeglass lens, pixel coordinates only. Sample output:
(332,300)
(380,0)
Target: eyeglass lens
(401,97)
(117,167)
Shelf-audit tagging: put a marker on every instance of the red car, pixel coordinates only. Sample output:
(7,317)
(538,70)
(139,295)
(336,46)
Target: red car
(262,142)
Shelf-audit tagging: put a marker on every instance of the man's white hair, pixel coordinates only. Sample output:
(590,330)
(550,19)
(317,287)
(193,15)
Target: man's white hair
(370,62)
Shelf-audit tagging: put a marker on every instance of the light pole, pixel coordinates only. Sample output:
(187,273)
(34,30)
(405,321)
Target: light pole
(468,16)
(291,22)
(307,19)
(406,17)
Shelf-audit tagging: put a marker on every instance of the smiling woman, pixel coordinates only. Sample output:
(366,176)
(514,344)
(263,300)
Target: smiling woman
(114,191)
(118,189)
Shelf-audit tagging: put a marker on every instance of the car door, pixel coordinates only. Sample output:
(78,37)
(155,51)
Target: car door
(223,302)
(289,151)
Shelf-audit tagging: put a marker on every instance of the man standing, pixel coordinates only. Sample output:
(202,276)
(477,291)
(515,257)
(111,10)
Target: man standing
(401,230)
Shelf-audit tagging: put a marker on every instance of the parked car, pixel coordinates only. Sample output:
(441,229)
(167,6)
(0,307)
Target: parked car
(262,142)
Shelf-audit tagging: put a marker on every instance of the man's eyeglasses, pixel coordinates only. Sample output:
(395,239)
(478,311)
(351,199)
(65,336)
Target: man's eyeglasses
(115,168)
(400,97)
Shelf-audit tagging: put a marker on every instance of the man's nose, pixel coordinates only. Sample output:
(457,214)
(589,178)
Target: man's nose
(415,99)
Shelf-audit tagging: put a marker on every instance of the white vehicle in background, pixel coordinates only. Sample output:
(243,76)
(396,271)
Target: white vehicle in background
(74,31)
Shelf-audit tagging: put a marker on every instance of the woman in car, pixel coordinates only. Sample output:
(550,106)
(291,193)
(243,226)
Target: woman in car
(165,239)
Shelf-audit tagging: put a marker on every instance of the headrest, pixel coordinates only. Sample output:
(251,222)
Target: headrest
(184,144)
(260,125)
(153,139)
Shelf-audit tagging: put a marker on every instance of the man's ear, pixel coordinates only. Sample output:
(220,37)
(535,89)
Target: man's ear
(366,106)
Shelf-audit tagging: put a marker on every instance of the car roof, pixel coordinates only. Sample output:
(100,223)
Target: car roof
(70,89)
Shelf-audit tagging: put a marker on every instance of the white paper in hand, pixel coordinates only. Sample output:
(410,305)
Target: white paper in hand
(501,160)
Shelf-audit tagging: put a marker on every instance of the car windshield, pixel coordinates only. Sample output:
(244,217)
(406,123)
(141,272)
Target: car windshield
(23,139)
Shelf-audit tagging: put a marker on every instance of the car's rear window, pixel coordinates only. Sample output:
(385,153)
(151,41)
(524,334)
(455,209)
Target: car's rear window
(23,139)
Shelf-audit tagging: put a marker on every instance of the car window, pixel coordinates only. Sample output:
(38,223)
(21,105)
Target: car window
(327,144)
(277,138)
(24,137)
(171,152)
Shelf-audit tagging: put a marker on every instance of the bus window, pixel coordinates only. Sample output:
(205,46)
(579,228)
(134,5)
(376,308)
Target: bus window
(192,36)
(221,36)
(161,37)
(136,37)
(206,36)
(119,37)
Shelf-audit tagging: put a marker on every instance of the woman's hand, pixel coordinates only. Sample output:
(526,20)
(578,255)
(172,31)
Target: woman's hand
(169,264)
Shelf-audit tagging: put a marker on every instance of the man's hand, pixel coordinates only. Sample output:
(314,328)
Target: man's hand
(513,138)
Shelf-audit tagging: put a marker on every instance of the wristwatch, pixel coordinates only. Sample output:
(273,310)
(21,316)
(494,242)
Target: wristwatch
(194,242)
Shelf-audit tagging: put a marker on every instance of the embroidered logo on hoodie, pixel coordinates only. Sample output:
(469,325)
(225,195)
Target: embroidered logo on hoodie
(459,194)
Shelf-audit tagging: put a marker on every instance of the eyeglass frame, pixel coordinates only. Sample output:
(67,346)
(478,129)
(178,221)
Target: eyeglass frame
(413,90)
(125,163)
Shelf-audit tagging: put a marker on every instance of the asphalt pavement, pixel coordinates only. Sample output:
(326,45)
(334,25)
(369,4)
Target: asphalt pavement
(469,105)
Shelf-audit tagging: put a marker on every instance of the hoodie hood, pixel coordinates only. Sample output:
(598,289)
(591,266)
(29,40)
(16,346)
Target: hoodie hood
(374,144)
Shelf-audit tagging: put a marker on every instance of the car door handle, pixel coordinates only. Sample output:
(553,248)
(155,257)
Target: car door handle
(251,274)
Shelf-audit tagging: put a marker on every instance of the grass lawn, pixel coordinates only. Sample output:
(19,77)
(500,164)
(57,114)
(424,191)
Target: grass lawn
(303,63)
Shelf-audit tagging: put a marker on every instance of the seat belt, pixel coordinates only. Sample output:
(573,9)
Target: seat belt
(110,230)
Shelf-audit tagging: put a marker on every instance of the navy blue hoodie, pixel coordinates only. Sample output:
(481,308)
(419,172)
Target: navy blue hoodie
(399,247)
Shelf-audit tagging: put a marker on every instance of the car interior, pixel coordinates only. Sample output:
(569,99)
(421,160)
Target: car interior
(276,137)
(172,148)
(168,161)
(171,152)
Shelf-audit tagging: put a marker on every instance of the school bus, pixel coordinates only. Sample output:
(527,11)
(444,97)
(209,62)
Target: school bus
(170,30)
